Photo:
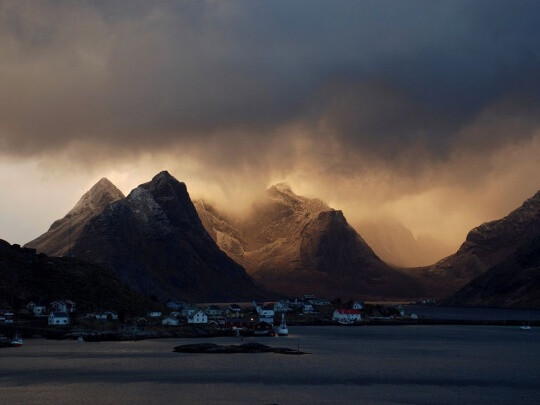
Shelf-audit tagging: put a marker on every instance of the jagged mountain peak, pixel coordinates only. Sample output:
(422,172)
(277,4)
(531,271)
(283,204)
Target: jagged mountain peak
(58,240)
(282,188)
(173,198)
(98,197)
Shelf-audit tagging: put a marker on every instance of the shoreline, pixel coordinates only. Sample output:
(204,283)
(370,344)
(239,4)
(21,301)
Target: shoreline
(90,335)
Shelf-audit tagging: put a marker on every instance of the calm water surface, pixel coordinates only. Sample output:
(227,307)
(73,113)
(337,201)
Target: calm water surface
(349,365)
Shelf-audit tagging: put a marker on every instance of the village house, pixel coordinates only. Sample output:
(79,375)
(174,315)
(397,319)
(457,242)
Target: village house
(358,305)
(308,309)
(63,306)
(282,306)
(6,316)
(198,317)
(170,321)
(263,328)
(154,314)
(266,313)
(238,324)
(111,315)
(39,310)
(234,309)
(189,310)
(213,310)
(347,315)
(58,318)
(108,315)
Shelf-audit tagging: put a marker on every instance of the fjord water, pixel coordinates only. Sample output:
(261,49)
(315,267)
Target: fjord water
(348,365)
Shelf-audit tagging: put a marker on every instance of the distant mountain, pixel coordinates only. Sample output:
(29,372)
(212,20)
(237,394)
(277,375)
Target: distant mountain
(64,232)
(155,242)
(513,283)
(395,244)
(486,246)
(26,276)
(297,245)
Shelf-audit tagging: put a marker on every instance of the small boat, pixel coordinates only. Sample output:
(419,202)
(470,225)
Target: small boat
(525,326)
(16,341)
(282,329)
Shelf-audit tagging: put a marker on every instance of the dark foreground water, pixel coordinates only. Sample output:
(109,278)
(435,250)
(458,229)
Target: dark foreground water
(349,365)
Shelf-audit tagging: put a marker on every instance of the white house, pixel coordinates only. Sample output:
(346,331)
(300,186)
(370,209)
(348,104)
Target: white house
(308,309)
(58,318)
(170,321)
(347,315)
(266,314)
(154,314)
(358,305)
(198,317)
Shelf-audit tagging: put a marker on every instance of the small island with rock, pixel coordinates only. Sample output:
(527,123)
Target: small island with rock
(231,349)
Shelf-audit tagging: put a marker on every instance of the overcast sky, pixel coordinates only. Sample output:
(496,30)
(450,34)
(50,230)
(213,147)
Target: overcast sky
(423,111)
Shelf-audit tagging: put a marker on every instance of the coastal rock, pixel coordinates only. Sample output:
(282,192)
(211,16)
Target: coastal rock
(233,349)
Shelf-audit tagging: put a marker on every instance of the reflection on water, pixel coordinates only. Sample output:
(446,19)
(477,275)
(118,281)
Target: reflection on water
(350,365)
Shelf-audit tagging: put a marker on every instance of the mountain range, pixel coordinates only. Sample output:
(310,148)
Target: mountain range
(161,243)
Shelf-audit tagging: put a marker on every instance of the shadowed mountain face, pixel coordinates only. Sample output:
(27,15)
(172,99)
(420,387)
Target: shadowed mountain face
(514,282)
(62,234)
(156,243)
(26,276)
(486,246)
(296,245)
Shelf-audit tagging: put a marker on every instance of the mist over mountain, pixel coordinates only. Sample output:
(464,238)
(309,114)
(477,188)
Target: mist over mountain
(297,245)
(395,244)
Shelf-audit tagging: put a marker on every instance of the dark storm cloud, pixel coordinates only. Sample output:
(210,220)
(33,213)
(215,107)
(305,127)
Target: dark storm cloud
(378,77)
